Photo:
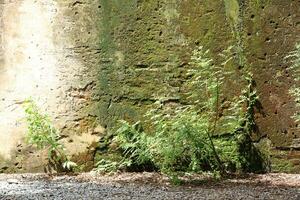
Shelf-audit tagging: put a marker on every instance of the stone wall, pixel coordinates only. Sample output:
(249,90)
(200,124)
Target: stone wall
(48,53)
(272,31)
(88,63)
(146,47)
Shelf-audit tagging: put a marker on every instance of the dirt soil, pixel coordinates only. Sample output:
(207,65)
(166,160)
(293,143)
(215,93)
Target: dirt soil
(145,186)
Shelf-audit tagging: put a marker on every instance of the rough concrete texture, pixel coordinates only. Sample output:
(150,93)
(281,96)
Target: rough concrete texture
(43,49)
(146,48)
(88,63)
(272,31)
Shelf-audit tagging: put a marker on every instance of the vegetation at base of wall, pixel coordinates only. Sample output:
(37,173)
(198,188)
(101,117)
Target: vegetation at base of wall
(282,165)
(201,136)
(42,134)
(259,154)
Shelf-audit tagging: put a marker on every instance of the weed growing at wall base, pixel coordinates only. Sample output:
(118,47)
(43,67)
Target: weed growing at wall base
(42,134)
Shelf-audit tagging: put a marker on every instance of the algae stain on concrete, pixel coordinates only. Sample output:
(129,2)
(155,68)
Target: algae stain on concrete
(170,11)
(113,18)
(232,9)
(108,23)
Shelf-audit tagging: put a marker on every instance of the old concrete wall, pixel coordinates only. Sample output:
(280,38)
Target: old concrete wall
(271,32)
(88,63)
(45,46)
(146,47)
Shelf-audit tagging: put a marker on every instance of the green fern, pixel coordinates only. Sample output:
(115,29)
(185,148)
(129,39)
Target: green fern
(40,130)
(189,138)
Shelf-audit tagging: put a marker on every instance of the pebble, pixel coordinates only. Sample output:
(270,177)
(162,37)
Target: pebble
(13,181)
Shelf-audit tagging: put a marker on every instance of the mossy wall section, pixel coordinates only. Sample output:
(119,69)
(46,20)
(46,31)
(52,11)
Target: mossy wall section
(271,32)
(112,59)
(145,49)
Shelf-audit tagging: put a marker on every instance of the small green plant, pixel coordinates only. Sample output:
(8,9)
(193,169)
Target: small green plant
(134,143)
(43,135)
(176,144)
(108,166)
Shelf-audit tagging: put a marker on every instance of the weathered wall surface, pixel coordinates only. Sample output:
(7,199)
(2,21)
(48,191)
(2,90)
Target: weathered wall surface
(146,47)
(272,31)
(88,63)
(45,54)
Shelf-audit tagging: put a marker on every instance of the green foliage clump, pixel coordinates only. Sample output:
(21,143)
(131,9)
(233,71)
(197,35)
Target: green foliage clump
(40,130)
(44,135)
(112,166)
(207,92)
(177,144)
(200,136)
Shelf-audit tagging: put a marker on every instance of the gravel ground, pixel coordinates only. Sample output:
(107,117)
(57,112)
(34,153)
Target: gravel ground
(145,186)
